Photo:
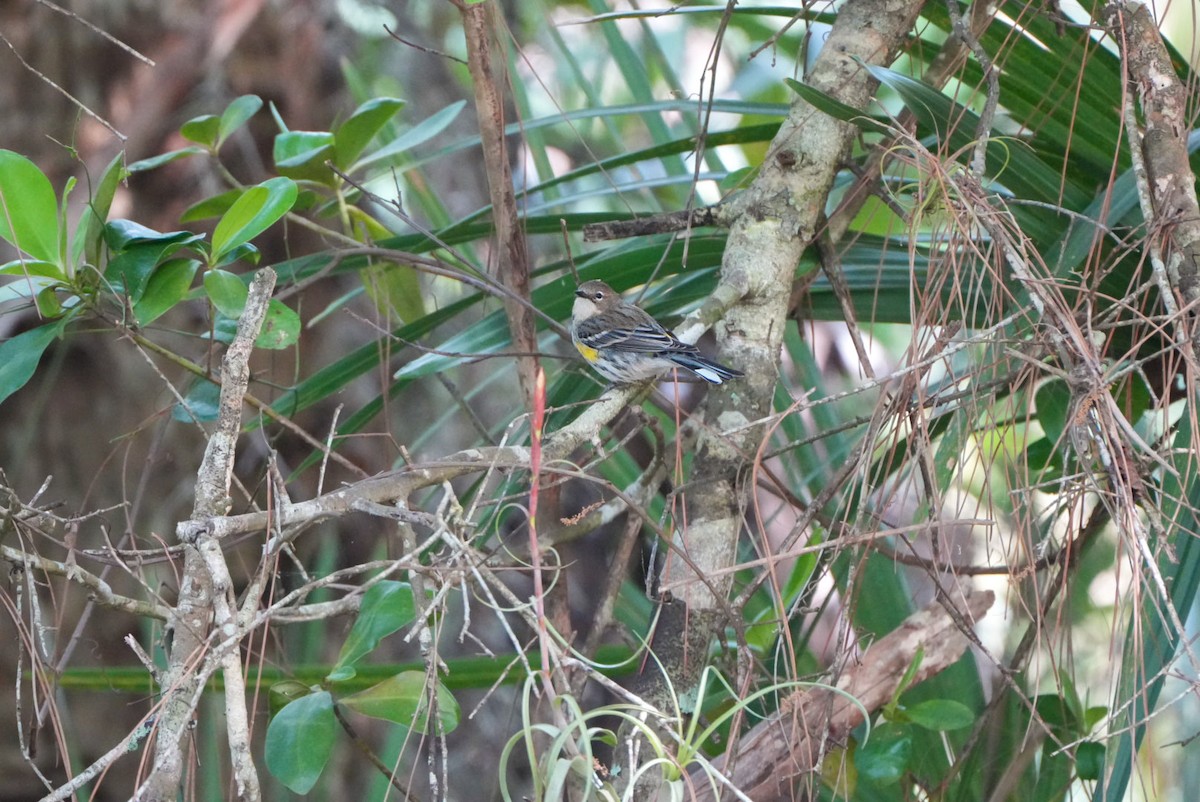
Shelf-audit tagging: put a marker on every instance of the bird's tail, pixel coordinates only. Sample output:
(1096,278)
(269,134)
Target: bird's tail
(706,369)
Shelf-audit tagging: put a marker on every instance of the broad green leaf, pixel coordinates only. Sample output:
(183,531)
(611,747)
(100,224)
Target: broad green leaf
(352,136)
(202,403)
(19,355)
(280,328)
(1056,712)
(236,114)
(27,288)
(47,302)
(386,606)
(202,130)
(423,131)
(284,692)
(138,252)
(256,210)
(122,234)
(1053,400)
(403,699)
(246,252)
(226,291)
(130,270)
(167,286)
(302,155)
(142,165)
(208,208)
(1089,760)
(884,758)
(940,715)
(224,329)
(28,208)
(300,740)
(30,267)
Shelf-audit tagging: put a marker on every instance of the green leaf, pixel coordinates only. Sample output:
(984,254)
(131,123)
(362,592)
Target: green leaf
(122,234)
(202,403)
(940,715)
(19,355)
(300,740)
(886,756)
(280,329)
(395,289)
(236,114)
(1089,760)
(353,136)
(251,214)
(283,693)
(28,208)
(246,252)
(202,130)
(423,131)
(1024,172)
(143,165)
(835,108)
(139,251)
(208,208)
(89,233)
(302,155)
(402,699)
(1053,399)
(29,267)
(168,285)
(386,606)
(47,303)
(226,291)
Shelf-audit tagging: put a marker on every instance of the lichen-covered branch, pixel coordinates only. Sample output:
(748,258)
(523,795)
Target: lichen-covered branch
(780,214)
(205,594)
(1159,150)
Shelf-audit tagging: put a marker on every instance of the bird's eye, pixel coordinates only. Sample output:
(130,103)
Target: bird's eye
(598,295)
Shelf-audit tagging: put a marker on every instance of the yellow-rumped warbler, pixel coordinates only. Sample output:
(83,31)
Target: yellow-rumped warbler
(626,345)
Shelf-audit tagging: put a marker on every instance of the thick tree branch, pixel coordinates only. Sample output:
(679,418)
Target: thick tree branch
(1166,185)
(206,592)
(777,754)
(781,213)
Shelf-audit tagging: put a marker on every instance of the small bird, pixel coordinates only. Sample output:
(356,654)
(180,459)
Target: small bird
(625,345)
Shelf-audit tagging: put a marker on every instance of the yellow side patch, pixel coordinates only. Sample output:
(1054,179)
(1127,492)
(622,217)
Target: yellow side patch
(588,353)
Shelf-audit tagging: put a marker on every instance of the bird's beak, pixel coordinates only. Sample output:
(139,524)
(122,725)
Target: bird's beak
(579,293)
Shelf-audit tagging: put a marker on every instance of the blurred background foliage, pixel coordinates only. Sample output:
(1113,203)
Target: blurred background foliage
(960,435)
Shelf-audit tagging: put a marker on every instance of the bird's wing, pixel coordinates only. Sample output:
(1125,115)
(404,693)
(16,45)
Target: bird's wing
(645,338)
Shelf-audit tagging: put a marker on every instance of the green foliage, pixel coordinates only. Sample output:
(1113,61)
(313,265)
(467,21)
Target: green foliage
(386,607)
(29,215)
(304,721)
(987,417)
(403,699)
(300,740)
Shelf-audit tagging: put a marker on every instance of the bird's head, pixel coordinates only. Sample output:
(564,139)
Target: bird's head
(592,297)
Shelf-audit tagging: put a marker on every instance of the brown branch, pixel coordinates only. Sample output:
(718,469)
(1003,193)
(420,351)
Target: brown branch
(1166,185)
(777,753)
(206,592)
(719,216)
(512,260)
